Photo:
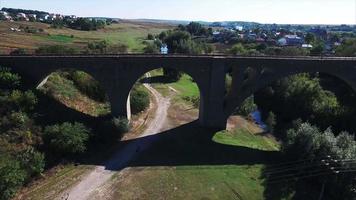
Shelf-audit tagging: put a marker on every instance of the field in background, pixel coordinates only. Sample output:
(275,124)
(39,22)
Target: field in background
(129,33)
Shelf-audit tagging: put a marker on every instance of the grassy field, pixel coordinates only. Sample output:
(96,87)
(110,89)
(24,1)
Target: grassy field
(200,169)
(244,138)
(128,33)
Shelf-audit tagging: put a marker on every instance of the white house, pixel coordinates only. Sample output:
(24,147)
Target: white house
(22,16)
(164,49)
(239,28)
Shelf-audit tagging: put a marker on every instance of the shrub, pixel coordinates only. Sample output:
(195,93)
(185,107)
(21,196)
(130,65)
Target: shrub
(271,121)
(88,85)
(139,99)
(56,49)
(194,100)
(66,138)
(32,161)
(18,51)
(247,107)
(121,124)
(12,177)
(8,80)
(151,48)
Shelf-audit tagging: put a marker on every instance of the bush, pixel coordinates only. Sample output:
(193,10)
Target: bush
(12,177)
(139,99)
(8,80)
(32,161)
(151,48)
(271,121)
(194,100)
(18,51)
(121,125)
(88,85)
(247,107)
(66,138)
(56,49)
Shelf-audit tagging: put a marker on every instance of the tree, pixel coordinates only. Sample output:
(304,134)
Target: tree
(151,48)
(139,99)
(307,142)
(247,107)
(310,38)
(8,80)
(150,36)
(238,49)
(32,161)
(347,48)
(56,49)
(271,121)
(66,138)
(317,49)
(12,177)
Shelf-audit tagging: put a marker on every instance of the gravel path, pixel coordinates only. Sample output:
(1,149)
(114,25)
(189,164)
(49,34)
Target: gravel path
(92,182)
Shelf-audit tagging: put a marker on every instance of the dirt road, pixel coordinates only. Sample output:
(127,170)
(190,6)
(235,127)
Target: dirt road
(101,174)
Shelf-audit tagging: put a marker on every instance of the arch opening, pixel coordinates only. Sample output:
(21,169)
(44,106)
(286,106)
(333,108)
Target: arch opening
(77,90)
(319,98)
(174,99)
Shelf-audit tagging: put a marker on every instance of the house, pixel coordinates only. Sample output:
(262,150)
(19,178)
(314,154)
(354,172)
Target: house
(22,16)
(164,49)
(307,46)
(290,40)
(43,17)
(5,15)
(239,28)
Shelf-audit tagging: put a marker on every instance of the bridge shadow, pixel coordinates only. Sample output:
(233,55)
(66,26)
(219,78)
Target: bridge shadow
(186,145)
(189,144)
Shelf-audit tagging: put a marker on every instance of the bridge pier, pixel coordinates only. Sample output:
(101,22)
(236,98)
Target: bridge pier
(211,112)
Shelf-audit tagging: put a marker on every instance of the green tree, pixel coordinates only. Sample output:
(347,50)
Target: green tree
(309,38)
(12,177)
(32,161)
(238,49)
(271,121)
(308,142)
(66,138)
(8,80)
(347,48)
(247,107)
(56,49)
(151,48)
(139,99)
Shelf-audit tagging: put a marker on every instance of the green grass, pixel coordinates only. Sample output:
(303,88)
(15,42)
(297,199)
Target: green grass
(128,33)
(242,137)
(186,86)
(215,181)
(60,38)
(193,182)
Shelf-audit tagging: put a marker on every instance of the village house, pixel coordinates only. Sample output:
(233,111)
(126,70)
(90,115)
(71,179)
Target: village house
(22,17)
(290,40)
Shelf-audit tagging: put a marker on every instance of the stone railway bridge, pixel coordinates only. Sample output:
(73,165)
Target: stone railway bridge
(118,73)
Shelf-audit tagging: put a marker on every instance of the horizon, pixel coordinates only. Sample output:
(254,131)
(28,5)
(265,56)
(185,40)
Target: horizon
(272,12)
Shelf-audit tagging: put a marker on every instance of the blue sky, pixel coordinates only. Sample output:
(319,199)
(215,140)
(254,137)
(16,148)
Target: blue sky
(264,11)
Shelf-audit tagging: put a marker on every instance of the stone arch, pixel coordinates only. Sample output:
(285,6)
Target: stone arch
(262,76)
(141,71)
(43,77)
